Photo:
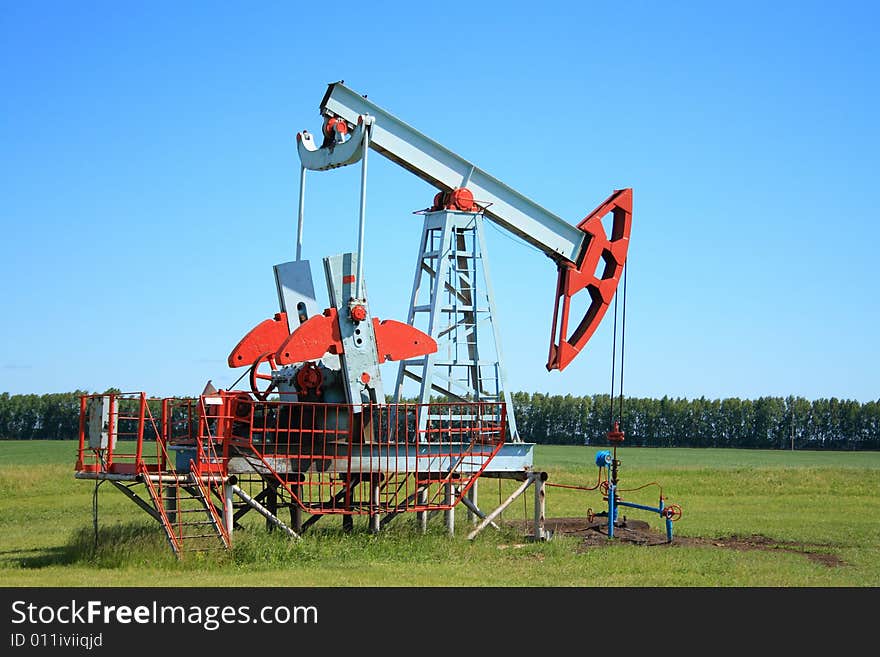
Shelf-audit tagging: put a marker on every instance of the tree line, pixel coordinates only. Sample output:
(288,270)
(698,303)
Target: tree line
(765,422)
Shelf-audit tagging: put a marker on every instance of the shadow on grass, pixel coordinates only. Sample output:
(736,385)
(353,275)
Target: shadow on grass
(116,546)
(144,545)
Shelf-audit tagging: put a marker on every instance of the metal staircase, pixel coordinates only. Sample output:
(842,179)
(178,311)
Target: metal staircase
(192,520)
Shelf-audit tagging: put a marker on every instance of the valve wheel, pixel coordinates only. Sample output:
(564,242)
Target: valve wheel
(259,387)
(672,512)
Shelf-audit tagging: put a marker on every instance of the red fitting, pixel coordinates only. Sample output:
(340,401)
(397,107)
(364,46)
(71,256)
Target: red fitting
(309,378)
(460,199)
(365,378)
(358,313)
(337,126)
(615,436)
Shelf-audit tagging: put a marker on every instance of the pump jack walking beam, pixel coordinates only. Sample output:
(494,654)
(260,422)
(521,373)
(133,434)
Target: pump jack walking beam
(446,171)
(588,259)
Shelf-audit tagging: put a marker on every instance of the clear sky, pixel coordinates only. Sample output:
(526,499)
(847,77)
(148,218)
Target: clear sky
(149,180)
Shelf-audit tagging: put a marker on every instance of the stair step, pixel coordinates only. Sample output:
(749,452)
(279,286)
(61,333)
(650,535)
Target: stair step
(208,549)
(191,536)
(181,497)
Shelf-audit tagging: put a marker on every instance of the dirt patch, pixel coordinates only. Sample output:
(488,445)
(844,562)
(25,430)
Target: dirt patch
(638,532)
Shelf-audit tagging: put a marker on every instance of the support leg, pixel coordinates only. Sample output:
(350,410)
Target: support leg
(530,479)
(450,513)
(475,510)
(422,516)
(272,505)
(540,494)
(472,498)
(263,511)
(296,513)
(228,517)
(374,505)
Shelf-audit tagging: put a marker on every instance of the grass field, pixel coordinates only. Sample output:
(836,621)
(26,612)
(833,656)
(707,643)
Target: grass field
(808,501)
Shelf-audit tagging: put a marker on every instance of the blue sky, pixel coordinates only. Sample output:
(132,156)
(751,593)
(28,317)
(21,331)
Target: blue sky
(148,177)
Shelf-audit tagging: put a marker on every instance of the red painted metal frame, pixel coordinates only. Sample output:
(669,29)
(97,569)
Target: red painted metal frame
(138,446)
(132,425)
(327,458)
(585,275)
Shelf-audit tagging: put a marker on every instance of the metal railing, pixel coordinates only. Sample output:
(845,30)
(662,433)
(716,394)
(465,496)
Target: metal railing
(329,458)
(371,458)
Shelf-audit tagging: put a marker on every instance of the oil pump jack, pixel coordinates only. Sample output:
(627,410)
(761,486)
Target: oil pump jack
(316,432)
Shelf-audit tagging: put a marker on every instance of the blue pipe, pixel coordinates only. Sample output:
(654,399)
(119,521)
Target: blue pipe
(632,505)
(640,506)
(612,510)
(668,523)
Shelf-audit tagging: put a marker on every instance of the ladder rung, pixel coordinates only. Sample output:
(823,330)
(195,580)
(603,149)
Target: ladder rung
(191,536)
(208,549)
(463,309)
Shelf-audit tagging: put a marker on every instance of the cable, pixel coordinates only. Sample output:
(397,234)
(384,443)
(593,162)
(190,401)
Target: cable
(651,483)
(598,483)
(622,342)
(613,363)
(239,379)
(622,353)
(515,240)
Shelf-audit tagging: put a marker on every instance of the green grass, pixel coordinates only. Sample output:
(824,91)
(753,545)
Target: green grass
(823,502)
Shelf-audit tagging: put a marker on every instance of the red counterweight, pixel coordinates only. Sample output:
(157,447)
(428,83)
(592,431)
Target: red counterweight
(264,337)
(585,274)
(270,343)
